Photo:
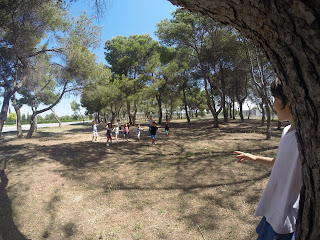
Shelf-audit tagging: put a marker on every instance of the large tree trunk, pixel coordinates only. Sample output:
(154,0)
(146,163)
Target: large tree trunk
(288,32)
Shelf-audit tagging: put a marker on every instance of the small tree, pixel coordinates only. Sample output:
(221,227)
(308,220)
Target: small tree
(12,117)
(75,108)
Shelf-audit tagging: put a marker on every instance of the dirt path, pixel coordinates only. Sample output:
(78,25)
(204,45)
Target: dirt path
(60,185)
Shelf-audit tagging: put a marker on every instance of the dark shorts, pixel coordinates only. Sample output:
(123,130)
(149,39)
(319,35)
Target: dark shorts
(153,136)
(266,232)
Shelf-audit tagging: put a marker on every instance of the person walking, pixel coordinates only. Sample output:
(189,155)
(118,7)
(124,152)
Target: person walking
(126,132)
(138,131)
(153,132)
(94,131)
(108,133)
(116,131)
(166,129)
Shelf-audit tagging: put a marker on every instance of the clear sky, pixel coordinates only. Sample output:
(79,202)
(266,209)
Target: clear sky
(127,17)
(121,17)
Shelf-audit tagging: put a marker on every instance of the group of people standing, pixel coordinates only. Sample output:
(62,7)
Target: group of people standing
(118,127)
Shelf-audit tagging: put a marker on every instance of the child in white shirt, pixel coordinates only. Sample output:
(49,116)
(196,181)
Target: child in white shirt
(279,203)
(138,131)
(116,131)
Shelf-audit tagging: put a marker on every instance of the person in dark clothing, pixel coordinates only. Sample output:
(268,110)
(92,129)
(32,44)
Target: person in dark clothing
(153,132)
(166,129)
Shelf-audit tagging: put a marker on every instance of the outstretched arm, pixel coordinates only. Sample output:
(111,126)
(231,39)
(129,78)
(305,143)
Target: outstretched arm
(254,158)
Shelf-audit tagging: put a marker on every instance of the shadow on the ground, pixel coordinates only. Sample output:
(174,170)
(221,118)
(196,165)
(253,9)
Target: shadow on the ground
(8,229)
(179,164)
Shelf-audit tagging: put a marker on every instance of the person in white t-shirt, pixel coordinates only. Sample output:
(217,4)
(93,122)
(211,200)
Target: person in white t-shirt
(116,131)
(138,131)
(279,203)
(94,131)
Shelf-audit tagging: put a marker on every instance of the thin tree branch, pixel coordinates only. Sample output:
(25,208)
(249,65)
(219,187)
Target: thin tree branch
(60,50)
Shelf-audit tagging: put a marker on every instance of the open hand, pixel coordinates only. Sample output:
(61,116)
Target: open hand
(244,156)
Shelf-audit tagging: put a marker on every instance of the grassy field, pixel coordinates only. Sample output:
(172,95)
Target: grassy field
(61,185)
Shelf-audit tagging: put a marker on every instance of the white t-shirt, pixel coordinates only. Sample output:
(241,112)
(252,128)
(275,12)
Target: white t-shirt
(280,200)
(138,131)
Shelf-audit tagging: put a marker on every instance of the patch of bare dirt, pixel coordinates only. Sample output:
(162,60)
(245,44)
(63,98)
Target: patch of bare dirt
(61,185)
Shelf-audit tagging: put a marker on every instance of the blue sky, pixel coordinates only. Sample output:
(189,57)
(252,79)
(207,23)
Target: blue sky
(127,17)
(122,17)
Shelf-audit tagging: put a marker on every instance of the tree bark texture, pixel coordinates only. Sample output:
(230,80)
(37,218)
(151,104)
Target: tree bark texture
(5,106)
(33,123)
(289,33)
(56,117)
(186,105)
(225,112)
(18,112)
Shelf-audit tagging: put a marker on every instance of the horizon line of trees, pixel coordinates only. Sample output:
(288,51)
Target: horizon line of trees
(199,64)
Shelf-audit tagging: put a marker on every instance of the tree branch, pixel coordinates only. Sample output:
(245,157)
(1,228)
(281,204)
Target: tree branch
(56,102)
(60,50)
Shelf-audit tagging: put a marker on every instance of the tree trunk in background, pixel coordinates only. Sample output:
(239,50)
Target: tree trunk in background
(113,117)
(56,117)
(225,112)
(36,120)
(186,105)
(135,110)
(268,131)
(18,112)
(5,106)
(171,109)
(279,126)
(249,112)
(98,117)
(128,111)
(263,118)
(160,112)
(233,115)
(33,118)
(288,32)
(240,111)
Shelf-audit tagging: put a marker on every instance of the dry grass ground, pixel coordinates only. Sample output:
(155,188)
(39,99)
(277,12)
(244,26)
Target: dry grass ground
(60,185)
